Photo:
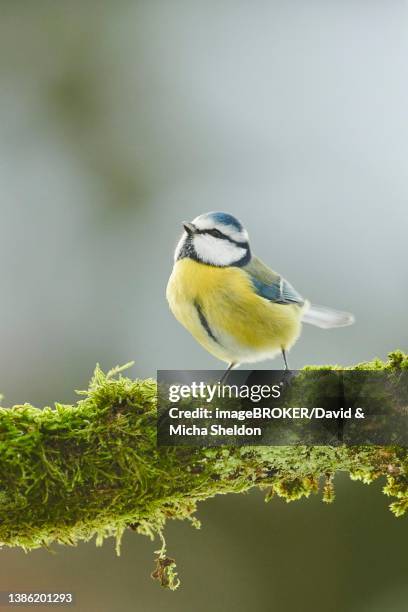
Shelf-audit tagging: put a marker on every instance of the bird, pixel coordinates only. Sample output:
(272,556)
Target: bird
(240,310)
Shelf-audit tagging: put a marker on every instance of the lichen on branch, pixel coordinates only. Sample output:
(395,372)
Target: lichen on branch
(71,473)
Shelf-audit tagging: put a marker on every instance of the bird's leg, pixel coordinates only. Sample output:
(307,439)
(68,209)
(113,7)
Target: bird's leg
(227,371)
(284,358)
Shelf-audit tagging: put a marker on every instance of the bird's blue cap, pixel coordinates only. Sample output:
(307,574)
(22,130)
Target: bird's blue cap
(223,218)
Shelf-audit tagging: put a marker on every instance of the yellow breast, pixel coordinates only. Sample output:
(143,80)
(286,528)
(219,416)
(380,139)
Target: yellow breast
(221,310)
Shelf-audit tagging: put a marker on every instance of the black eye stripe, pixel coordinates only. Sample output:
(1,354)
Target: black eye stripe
(213,232)
(217,234)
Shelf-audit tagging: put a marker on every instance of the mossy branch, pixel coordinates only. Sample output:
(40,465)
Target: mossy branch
(70,473)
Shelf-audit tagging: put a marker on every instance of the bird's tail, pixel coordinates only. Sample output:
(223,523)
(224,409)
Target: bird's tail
(320,316)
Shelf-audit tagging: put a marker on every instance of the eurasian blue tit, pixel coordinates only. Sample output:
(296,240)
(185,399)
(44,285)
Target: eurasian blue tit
(234,305)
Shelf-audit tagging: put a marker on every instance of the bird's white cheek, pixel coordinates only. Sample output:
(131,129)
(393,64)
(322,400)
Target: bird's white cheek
(216,251)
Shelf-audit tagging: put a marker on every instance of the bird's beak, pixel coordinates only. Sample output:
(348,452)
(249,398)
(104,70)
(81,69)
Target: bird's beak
(189,227)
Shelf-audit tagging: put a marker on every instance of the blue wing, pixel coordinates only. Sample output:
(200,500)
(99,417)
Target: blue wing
(270,285)
(280,292)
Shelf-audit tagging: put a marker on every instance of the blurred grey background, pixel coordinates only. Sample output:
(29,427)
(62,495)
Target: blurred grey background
(117,122)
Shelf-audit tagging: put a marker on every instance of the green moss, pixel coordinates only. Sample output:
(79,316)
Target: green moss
(92,470)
